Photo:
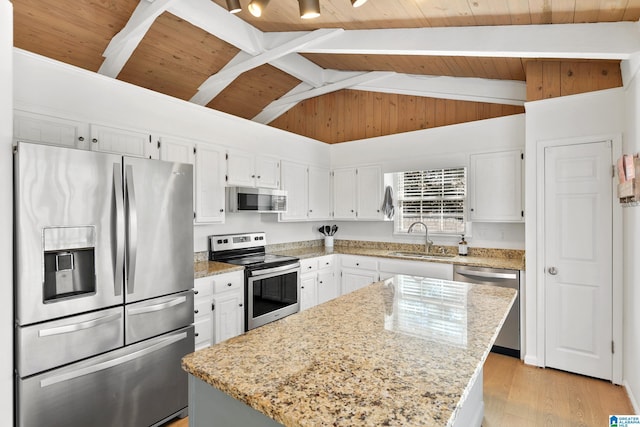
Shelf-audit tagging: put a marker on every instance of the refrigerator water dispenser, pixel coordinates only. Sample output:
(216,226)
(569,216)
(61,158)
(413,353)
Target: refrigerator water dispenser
(69,262)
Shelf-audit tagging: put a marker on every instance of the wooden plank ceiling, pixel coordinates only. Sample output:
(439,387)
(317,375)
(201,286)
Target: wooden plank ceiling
(176,57)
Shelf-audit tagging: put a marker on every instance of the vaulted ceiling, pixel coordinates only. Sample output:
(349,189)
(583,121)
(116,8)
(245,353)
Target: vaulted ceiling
(472,53)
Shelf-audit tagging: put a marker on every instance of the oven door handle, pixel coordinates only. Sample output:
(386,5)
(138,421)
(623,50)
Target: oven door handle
(257,273)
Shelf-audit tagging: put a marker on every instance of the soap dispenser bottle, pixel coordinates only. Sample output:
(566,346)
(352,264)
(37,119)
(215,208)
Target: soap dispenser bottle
(462,246)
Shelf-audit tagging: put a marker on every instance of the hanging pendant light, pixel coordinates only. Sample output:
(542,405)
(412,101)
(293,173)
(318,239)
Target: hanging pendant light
(309,9)
(234,6)
(358,3)
(257,6)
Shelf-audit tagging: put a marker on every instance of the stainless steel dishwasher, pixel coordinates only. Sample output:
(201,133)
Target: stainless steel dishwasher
(508,341)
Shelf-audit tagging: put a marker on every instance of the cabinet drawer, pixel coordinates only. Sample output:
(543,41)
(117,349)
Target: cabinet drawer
(309,264)
(365,263)
(201,307)
(326,261)
(203,287)
(228,282)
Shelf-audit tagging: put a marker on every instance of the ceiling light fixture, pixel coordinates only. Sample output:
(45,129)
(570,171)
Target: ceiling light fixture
(358,3)
(257,6)
(234,6)
(309,9)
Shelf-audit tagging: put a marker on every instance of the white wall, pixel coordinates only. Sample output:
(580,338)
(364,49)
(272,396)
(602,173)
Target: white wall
(631,218)
(591,114)
(50,87)
(447,146)
(6,213)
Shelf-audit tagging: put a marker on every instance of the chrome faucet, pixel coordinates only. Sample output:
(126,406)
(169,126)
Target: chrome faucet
(427,243)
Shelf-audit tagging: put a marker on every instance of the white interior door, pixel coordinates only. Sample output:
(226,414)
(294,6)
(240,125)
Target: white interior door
(578,258)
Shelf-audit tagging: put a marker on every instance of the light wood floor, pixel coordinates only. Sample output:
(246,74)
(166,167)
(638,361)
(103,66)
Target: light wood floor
(519,395)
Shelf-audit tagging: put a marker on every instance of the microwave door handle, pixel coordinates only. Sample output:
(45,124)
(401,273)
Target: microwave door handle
(120,231)
(133,230)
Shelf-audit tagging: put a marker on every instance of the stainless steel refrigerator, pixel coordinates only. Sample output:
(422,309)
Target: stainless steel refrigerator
(103,291)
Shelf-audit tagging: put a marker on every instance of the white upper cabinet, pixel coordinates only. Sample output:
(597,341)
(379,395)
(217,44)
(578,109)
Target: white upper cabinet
(247,170)
(357,193)
(295,183)
(495,187)
(208,187)
(319,193)
(210,193)
(122,141)
(50,130)
(177,150)
(308,192)
(344,193)
(267,172)
(370,193)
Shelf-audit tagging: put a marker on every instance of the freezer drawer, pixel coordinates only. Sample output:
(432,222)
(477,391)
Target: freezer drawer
(48,345)
(156,316)
(135,386)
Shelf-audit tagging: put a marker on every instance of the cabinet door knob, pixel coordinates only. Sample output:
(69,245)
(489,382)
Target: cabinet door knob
(239,305)
(229,284)
(196,311)
(259,177)
(197,334)
(321,282)
(301,287)
(94,140)
(253,176)
(196,292)
(81,138)
(221,210)
(357,264)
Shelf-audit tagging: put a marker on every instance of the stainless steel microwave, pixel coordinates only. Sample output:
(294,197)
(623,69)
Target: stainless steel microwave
(245,199)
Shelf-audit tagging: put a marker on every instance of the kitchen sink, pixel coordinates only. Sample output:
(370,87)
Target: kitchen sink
(421,255)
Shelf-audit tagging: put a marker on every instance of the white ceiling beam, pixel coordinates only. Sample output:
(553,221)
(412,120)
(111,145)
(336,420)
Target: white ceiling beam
(215,86)
(301,68)
(271,112)
(461,88)
(607,40)
(332,87)
(127,40)
(273,54)
(216,20)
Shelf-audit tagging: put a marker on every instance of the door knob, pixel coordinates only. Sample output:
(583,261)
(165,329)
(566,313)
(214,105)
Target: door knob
(553,271)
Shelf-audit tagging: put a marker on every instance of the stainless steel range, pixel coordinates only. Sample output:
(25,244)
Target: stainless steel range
(272,282)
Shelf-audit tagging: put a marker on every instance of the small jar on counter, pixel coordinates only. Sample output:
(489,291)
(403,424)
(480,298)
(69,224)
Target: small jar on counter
(462,246)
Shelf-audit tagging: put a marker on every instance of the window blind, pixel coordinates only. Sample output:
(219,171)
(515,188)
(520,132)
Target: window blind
(435,197)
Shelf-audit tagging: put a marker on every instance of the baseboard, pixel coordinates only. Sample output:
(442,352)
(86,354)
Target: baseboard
(634,402)
(531,360)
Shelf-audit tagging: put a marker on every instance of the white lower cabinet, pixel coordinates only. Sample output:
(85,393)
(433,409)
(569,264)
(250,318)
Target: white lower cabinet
(317,281)
(203,317)
(228,305)
(357,272)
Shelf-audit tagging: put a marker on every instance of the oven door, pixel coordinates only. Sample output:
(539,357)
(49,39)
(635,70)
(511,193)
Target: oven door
(272,294)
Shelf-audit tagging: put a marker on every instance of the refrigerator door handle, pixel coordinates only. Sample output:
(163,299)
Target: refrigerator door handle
(111,363)
(120,233)
(133,230)
(78,326)
(158,307)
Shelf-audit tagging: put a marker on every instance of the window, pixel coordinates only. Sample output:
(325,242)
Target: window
(435,197)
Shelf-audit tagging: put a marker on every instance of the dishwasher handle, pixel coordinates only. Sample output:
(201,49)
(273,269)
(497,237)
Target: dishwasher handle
(486,274)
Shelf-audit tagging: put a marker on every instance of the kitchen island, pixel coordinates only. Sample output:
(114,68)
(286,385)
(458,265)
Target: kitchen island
(406,351)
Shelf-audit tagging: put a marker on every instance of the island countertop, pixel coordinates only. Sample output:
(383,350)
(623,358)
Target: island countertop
(405,351)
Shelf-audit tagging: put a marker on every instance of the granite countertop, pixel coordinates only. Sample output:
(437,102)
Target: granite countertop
(489,259)
(400,352)
(211,268)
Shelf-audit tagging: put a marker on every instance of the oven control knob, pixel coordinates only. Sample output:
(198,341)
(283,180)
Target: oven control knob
(219,241)
(225,241)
